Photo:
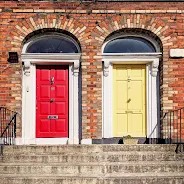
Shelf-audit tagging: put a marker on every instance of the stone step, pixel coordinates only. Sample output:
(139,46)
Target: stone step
(94,157)
(86,148)
(133,179)
(92,169)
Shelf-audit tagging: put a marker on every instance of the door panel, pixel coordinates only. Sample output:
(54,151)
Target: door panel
(136,96)
(121,104)
(60,108)
(45,76)
(60,92)
(44,92)
(129,116)
(60,77)
(135,128)
(121,128)
(44,125)
(44,108)
(52,101)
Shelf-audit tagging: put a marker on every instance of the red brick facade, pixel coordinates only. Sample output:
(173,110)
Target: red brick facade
(91,23)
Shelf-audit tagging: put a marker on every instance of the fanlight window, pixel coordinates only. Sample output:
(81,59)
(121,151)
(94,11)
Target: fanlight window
(129,45)
(53,45)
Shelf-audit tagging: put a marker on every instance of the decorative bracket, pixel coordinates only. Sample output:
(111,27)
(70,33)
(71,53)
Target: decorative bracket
(76,68)
(154,69)
(27,65)
(106,68)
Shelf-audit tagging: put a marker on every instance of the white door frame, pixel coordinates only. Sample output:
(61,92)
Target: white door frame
(151,60)
(29,97)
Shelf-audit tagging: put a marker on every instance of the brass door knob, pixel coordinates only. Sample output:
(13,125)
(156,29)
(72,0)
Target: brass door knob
(129,79)
(128,100)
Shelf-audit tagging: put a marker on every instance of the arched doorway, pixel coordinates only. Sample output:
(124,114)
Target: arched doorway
(50,90)
(131,86)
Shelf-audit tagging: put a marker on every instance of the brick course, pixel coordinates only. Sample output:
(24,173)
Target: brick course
(18,20)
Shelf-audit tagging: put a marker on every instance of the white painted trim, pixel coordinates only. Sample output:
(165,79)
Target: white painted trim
(177,53)
(86,141)
(57,57)
(42,141)
(144,55)
(29,94)
(152,63)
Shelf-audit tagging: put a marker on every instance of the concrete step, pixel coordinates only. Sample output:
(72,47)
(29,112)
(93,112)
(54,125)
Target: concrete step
(94,157)
(92,164)
(86,149)
(87,169)
(133,179)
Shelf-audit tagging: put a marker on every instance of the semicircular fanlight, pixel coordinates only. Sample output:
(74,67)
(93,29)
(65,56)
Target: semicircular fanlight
(52,45)
(129,45)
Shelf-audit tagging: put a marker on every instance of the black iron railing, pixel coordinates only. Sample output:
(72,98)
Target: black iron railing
(172,127)
(170,130)
(7,126)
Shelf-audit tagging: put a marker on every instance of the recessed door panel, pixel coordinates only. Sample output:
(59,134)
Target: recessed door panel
(121,87)
(60,108)
(121,128)
(44,126)
(44,92)
(52,101)
(129,113)
(136,128)
(44,108)
(136,95)
(60,91)
(45,76)
(60,76)
(60,125)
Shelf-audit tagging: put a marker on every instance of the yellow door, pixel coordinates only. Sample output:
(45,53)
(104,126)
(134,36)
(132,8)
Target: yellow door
(129,100)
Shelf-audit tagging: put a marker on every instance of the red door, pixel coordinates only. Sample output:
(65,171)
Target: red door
(51,101)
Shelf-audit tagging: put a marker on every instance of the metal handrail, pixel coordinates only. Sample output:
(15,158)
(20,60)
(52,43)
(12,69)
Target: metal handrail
(7,126)
(173,125)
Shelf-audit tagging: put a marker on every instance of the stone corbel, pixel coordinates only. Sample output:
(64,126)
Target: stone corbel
(76,68)
(154,69)
(27,68)
(106,68)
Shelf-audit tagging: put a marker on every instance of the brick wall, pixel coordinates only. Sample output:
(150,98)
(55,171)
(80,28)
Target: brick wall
(91,24)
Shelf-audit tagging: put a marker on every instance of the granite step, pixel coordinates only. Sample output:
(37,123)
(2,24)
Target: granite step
(133,179)
(93,168)
(85,149)
(92,164)
(93,157)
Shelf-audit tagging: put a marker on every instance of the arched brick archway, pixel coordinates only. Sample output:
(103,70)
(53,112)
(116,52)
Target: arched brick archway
(136,21)
(32,24)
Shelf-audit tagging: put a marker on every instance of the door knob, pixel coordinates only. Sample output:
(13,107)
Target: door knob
(129,79)
(52,100)
(52,80)
(128,100)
